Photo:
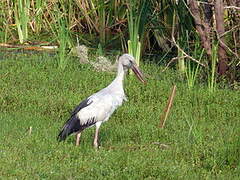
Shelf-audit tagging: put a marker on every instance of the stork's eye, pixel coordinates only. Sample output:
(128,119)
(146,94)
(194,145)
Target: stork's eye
(130,63)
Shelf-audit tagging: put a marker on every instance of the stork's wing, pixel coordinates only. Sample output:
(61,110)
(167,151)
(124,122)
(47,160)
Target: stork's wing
(99,108)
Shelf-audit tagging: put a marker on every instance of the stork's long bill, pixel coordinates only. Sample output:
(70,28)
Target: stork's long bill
(138,73)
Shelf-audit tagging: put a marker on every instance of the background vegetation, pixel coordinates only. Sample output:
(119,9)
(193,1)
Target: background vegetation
(193,44)
(187,32)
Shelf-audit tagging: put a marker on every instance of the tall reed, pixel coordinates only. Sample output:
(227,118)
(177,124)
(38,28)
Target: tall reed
(38,10)
(21,15)
(63,42)
(102,22)
(61,32)
(137,18)
(192,68)
(212,70)
(192,71)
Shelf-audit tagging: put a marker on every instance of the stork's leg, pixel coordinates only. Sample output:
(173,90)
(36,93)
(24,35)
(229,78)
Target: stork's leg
(95,141)
(78,135)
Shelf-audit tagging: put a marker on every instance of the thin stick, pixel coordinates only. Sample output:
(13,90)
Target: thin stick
(31,48)
(168,107)
(30,130)
(232,7)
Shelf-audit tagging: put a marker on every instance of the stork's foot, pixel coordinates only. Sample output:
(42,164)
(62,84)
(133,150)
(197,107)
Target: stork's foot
(95,144)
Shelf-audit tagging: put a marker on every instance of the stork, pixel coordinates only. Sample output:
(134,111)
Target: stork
(98,107)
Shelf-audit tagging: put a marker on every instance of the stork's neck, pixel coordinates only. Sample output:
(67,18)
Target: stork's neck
(118,81)
(120,73)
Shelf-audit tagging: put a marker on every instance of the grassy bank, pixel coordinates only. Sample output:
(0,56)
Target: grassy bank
(201,134)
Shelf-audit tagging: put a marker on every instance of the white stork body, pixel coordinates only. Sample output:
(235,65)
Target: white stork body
(98,107)
(103,103)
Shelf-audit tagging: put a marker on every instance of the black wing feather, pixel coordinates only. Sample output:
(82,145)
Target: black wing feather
(82,105)
(72,125)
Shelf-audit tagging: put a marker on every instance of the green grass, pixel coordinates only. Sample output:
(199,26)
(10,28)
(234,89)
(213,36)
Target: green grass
(202,131)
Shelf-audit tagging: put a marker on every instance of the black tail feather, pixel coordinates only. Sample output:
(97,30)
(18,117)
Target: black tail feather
(71,126)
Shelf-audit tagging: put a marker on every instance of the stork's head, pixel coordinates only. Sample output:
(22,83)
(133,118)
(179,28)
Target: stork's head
(128,62)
